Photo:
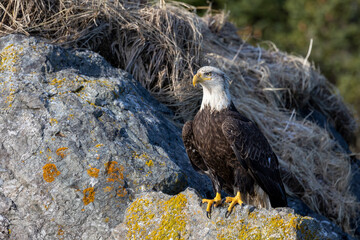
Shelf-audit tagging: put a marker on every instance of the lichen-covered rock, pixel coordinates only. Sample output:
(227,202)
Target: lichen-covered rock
(78,139)
(160,216)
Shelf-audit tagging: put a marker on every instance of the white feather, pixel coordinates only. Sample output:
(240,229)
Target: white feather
(216,90)
(217,98)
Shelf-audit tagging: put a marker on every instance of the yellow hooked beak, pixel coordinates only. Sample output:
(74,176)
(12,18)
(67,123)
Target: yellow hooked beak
(199,78)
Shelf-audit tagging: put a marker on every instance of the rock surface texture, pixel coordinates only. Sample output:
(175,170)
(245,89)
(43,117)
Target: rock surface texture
(78,140)
(159,216)
(87,153)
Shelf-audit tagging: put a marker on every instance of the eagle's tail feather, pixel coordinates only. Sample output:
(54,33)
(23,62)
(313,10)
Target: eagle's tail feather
(278,199)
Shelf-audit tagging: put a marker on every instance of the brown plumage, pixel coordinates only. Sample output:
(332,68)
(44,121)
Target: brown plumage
(229,148)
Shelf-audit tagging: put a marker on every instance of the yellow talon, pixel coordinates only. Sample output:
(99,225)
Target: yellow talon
(233,201)
(210,202)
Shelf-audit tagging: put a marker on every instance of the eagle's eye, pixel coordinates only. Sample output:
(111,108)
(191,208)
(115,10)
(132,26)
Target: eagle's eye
(208,74)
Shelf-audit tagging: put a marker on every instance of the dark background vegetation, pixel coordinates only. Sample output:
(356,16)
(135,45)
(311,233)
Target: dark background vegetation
(334,26)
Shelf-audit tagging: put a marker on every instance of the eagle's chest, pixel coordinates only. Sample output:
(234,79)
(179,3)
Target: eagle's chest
(210,140)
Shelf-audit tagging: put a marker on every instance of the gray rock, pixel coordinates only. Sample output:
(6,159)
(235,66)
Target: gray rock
(160,216)
(4,228)
(78,139)
(83,148)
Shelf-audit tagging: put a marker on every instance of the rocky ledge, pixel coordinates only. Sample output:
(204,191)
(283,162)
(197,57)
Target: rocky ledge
(159,216)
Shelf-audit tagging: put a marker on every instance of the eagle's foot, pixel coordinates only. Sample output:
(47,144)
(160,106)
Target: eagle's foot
(233,201)
(210,202)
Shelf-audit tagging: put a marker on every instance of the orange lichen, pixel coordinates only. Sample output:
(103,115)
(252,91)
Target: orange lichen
(121,192)
(99,145)
(107,189)
(93,172)
(50,172)
(114,172)
(61,152)
(47,206)
(60,231)
(115,175)
(89,195)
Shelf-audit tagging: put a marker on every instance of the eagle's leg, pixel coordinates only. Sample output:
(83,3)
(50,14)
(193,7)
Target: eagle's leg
(217,188)
(241,180)
(233,201)
(210,202)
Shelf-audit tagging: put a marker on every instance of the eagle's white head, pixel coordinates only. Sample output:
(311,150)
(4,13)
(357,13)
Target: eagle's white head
(215,85)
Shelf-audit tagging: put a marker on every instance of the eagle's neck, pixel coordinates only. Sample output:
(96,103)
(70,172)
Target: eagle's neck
(217,98)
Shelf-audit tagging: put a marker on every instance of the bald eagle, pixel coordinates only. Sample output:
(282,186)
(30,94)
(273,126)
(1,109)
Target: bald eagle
(230,149)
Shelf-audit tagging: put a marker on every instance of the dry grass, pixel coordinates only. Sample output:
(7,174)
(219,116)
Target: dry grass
(162,47)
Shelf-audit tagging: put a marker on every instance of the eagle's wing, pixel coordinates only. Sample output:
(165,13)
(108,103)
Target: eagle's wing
(255,154)
(195,158)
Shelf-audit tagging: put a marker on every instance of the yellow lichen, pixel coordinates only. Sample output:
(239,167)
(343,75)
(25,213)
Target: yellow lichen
(172,224)
(99,145)
(89,195)
(258,226)
(71,116)
(237,230)
(294,222)
(11,96)
(53,121)
(91,103)
(137,155)
(50,172)
(57,82)
(149,163)
(8,57)
(61,152)
(93,172)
